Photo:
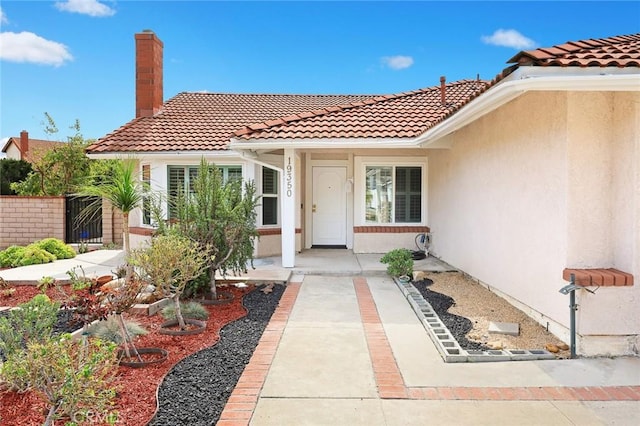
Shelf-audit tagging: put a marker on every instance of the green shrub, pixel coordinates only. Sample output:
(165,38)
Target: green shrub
(399,261)
(32,322)
(11,256)
(197,285)
(34,255)
(192,310)
(109,330)
(69,376)
(56,247)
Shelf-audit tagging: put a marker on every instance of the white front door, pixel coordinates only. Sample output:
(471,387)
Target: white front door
(329,206)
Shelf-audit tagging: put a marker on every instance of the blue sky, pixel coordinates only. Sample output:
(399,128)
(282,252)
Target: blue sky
(75,58)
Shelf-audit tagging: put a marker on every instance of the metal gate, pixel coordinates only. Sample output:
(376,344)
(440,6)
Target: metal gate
(83,219)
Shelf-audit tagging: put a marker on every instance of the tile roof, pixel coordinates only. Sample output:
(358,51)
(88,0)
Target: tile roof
(37,147)
(405,115)
(206,121)
(619,51)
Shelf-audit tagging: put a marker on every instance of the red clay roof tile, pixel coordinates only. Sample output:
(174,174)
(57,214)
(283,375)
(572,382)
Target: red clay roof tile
(206,121)
(405,115)
(618,51)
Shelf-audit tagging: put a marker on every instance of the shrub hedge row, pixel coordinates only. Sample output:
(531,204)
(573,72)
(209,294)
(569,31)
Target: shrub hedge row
(42,251)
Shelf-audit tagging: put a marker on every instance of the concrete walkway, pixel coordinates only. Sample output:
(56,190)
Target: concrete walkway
(344,350)
(95,263)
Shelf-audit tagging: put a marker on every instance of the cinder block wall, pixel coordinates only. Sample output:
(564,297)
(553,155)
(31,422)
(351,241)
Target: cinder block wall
(24,220)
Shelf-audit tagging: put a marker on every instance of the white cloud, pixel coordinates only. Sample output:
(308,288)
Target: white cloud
(509,38)
(85,7)
(3,17)
(29,47)
(397,62)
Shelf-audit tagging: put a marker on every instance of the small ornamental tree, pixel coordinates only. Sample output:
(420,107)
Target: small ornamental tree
(220,215)
(67,376)
(171,262)
(124,191)
(61,170)
(119,300)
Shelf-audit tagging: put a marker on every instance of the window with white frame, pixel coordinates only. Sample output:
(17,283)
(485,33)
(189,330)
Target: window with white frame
(182,178)
(393,194)
(146,201)
(269,196)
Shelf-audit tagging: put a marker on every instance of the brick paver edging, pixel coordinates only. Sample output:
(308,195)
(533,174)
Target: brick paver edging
(243,399)
(391,384)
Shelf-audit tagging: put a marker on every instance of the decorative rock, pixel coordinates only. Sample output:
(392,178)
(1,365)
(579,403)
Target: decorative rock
(145,298)
(113,284)
(551,348)
(475,336)
(496,344)
(419,275)
(563,347)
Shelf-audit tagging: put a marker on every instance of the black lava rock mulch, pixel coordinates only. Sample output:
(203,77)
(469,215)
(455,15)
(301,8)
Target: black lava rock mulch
(458,326)
(195,390)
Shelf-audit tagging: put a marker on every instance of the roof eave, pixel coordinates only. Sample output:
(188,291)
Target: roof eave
(320,143)
(186,155)
(526,79)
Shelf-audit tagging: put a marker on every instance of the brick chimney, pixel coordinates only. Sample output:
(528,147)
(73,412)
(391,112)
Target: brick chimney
(443,90)
(148,74)
(24,142)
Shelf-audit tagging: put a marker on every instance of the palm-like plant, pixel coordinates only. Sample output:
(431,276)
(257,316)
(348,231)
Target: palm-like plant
(125,191)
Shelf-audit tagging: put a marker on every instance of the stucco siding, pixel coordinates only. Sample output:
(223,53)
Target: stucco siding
(497,207)
(603,197)
(547,181)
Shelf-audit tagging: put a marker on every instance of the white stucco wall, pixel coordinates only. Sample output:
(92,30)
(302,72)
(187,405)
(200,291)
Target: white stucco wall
(13,152)
(604,229)
(536,186)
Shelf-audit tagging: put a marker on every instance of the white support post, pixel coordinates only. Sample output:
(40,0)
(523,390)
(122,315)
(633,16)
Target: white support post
(289,209)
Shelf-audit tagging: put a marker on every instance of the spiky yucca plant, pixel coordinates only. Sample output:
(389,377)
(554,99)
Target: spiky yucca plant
(109,330)
(189,310)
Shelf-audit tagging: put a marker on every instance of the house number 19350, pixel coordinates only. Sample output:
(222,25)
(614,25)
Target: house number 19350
(289,177)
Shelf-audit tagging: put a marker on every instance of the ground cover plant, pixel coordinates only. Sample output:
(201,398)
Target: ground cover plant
(39,252)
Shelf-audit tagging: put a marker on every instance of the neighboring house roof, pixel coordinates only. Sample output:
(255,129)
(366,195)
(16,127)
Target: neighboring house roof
(405,115)
(206,121)
(37,148)
(619,51)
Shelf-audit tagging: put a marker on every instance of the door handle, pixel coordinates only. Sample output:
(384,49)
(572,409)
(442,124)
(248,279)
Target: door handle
(313,209)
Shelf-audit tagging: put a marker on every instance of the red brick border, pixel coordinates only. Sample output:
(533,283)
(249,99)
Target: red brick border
(390,229)
(599,277)
(391,384)
(243,399)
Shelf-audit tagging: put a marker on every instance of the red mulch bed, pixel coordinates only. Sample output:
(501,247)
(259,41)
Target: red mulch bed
(136,400)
